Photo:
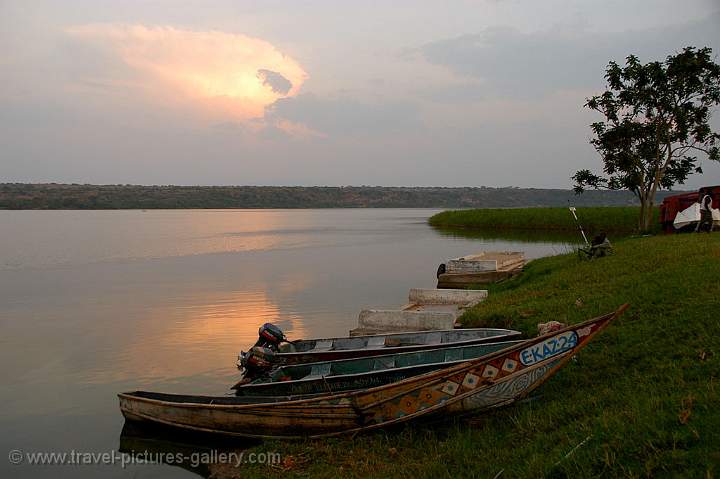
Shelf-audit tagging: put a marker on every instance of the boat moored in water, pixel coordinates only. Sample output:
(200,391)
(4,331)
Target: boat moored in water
(493,380)
(330,377)
(331,349)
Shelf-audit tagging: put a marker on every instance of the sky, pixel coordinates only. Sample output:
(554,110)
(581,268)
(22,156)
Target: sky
(327,92)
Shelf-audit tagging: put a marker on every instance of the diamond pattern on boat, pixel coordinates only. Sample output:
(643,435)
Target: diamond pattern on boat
(450,388)
(471,381)
(509,365)
(490,371)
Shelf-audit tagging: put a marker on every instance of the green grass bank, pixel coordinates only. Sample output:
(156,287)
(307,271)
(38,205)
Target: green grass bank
(641,401)
(622,219)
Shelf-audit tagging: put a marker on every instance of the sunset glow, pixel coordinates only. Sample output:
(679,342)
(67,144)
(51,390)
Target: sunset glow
(228,321)
(228,72)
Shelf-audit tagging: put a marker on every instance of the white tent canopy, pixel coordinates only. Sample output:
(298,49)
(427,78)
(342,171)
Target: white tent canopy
(691,215)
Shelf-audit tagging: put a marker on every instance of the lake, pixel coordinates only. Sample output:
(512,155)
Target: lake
(93,303)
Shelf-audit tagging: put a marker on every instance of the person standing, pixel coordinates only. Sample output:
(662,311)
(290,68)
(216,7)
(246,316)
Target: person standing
(706,219)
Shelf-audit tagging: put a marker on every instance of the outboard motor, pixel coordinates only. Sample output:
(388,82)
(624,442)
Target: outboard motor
(442,269)
(270,336)
(260,359)
(256,362)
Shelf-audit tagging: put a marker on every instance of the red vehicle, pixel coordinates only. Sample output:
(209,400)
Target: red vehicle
(672,205)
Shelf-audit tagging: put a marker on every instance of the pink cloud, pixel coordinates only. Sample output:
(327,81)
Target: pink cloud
(217,72)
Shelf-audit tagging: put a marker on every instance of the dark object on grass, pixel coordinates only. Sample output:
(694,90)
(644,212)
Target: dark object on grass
(599,248)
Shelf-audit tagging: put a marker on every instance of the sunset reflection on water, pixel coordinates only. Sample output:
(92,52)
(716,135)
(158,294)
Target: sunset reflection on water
(93,303)
(199,336)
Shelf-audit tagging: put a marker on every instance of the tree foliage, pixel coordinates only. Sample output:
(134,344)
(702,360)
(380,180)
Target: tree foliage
(657,122)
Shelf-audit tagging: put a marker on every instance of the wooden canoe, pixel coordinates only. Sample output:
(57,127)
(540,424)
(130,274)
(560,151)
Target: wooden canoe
(465,280)
(331,349)
(490,381)
(329,377)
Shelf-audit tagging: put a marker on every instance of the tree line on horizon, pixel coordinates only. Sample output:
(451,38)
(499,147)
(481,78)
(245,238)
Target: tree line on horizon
(23,196)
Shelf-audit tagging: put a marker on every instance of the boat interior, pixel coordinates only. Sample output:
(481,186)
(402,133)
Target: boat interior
(343,367)
(393,340)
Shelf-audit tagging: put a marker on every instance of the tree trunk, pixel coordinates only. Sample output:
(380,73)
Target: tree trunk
(641,219)
(648,199)
(646,213)
(647,220)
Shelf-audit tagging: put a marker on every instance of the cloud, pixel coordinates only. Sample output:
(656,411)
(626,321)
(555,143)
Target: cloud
(512,62)
(454,93)
(275,80)
(343,115)
(222,72)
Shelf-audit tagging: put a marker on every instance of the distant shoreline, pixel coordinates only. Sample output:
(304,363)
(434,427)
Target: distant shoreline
(53,196)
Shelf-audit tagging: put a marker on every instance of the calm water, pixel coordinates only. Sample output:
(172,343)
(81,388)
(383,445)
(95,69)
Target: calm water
(97,302)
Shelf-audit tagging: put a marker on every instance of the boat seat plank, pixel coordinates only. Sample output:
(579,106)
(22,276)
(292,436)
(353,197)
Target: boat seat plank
(319,370)
(376,342)
(434,338)
(323,345)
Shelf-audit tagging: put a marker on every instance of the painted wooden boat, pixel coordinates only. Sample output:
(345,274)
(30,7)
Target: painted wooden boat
(329,377)
(490,381)
(331,349)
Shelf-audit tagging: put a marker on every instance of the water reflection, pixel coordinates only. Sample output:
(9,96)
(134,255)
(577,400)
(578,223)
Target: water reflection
(56,238)
(95,303)
(181,449)
(196,335)
(519,236)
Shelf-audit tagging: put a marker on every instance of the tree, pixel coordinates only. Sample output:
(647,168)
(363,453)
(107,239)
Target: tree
(657,118)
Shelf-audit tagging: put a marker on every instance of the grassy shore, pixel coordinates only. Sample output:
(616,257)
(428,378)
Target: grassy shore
(642,400)
(594,219)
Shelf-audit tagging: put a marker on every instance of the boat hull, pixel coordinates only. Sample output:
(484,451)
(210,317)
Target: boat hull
(490,381)
(465,280)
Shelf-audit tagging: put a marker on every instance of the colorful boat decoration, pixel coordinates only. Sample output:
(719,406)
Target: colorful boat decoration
(332,349)
(329,377)
(490,381)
